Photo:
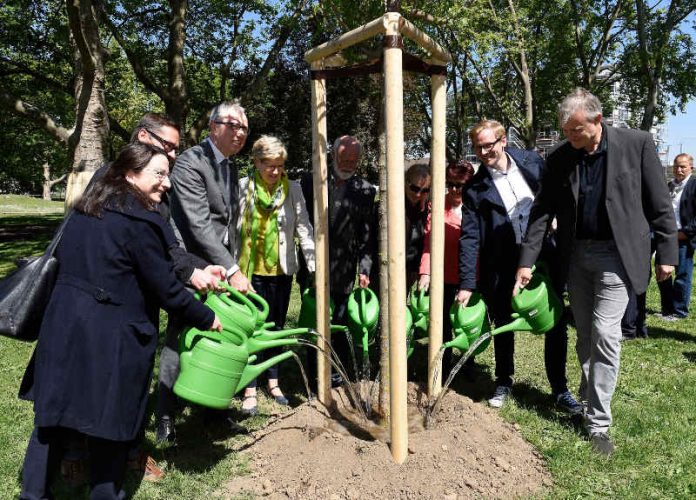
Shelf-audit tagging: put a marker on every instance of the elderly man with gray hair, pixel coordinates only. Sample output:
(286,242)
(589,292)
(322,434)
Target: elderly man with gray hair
(606,188)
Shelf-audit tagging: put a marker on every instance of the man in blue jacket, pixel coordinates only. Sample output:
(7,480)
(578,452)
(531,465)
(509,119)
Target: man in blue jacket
(494,221)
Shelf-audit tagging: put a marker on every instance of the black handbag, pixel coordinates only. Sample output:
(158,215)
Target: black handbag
(24,293)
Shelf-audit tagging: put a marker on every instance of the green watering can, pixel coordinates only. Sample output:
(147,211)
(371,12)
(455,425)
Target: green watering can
(536,307)
(362,313)
(213,371)
(468,324)
(419,304)
(308,309)
(409,334)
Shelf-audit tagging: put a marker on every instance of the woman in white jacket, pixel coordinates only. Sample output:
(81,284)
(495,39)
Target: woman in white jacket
(272,214)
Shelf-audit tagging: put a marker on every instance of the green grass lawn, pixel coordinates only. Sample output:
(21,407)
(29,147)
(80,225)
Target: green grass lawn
(654,412)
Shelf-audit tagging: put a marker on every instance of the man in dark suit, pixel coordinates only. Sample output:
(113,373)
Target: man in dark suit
(682,188)
(606,188)
(494,219)
(351,232)
(204,206)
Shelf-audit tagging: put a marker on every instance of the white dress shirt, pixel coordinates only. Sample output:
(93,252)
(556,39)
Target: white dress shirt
(516,194)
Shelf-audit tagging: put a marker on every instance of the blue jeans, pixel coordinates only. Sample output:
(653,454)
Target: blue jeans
(677,292)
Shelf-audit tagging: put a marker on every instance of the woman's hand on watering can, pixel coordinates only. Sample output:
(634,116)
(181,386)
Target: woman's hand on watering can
(424,282)
(216,326)
(463,297)
(363,281)
(524,274)
(240,282)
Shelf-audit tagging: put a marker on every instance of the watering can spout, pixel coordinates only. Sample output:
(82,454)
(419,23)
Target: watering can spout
(261,343)
(517,324)
(253,371)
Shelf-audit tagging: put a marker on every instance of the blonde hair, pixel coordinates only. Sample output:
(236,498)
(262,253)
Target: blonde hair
(268,147)
(494,125)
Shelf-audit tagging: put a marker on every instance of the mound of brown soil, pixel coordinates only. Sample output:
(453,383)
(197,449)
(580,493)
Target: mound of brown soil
(468,452)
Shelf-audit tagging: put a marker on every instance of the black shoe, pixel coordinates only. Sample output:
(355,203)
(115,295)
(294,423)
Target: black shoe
(166,434)
(336,380)
(252,410)
(601,444)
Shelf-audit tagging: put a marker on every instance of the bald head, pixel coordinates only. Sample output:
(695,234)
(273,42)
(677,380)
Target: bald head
(346,156)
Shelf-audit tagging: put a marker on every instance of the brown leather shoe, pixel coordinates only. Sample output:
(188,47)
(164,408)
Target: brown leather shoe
(147,468)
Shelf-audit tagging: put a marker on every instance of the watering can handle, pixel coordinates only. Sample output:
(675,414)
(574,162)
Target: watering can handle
(237,294)
(193,333)
(259,303)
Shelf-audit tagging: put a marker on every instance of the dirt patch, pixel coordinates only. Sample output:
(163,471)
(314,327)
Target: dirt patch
(468,452)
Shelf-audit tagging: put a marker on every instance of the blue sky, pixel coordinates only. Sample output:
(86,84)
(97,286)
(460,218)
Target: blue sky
(681,132)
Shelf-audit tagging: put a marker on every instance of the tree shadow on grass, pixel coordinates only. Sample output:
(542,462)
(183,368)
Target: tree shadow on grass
(690,355)
(664,333)
(530,398)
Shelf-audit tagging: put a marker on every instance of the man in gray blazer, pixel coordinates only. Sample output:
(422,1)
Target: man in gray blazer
(606,188)
(204,206)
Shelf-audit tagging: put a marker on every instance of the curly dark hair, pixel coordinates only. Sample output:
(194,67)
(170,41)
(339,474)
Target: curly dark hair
(112,187)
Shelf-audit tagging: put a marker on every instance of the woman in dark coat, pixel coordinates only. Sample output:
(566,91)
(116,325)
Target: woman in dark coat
(93,362)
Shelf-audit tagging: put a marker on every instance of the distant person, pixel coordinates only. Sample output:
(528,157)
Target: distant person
(497,205)
(417,191)
(676,294)
(91,369)
(352,235)
(272,214)
(605,186)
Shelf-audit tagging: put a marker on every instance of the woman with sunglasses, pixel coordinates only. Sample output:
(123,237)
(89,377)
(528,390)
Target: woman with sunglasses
(90,372)
(458,174)
(417,208)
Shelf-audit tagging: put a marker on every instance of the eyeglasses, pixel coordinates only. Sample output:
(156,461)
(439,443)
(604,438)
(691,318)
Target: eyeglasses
(167,146)
(236,127)
(485,148)
(455,185)
(417,190)
(160,175)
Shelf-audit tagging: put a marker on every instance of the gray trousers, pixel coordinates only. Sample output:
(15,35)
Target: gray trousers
(598,289)
(169,369)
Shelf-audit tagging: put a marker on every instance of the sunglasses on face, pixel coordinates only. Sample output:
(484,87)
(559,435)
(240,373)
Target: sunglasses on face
(455,185)
(166,145)
(417,190)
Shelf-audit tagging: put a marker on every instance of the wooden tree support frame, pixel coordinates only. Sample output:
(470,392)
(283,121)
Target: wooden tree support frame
(393,62)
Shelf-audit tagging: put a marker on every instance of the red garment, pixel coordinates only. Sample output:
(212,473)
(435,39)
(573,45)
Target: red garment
(453,223)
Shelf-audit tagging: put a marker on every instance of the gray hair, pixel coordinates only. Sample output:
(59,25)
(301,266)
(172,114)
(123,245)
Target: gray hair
(579,100)
(346,139)
(268,147)
(226,108)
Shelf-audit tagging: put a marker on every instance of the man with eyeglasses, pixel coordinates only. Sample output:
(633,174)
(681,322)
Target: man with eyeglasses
(494,221)
(204,203)
(605,185)
(351,235)
(676,294)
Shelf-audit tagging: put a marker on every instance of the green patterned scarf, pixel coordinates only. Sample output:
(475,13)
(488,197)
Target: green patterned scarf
(260,219)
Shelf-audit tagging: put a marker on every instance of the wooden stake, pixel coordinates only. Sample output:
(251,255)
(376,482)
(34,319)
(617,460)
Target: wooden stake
(397,242)
(346,40)
(321,233)
(413,33)
(437,232)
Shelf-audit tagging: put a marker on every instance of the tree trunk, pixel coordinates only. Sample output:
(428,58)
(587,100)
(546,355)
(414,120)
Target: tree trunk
(46,182)
(89,140)
(384,400)
(177,103)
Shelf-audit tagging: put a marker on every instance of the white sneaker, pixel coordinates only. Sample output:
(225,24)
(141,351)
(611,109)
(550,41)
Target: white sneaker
(502,392)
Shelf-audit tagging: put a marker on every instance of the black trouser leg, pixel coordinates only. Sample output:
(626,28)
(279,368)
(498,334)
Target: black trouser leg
(107,468)
(40,461)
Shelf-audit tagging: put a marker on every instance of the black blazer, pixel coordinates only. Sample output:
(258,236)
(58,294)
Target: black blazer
(636,199)
(92,366)
(352,236)
(687,211)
